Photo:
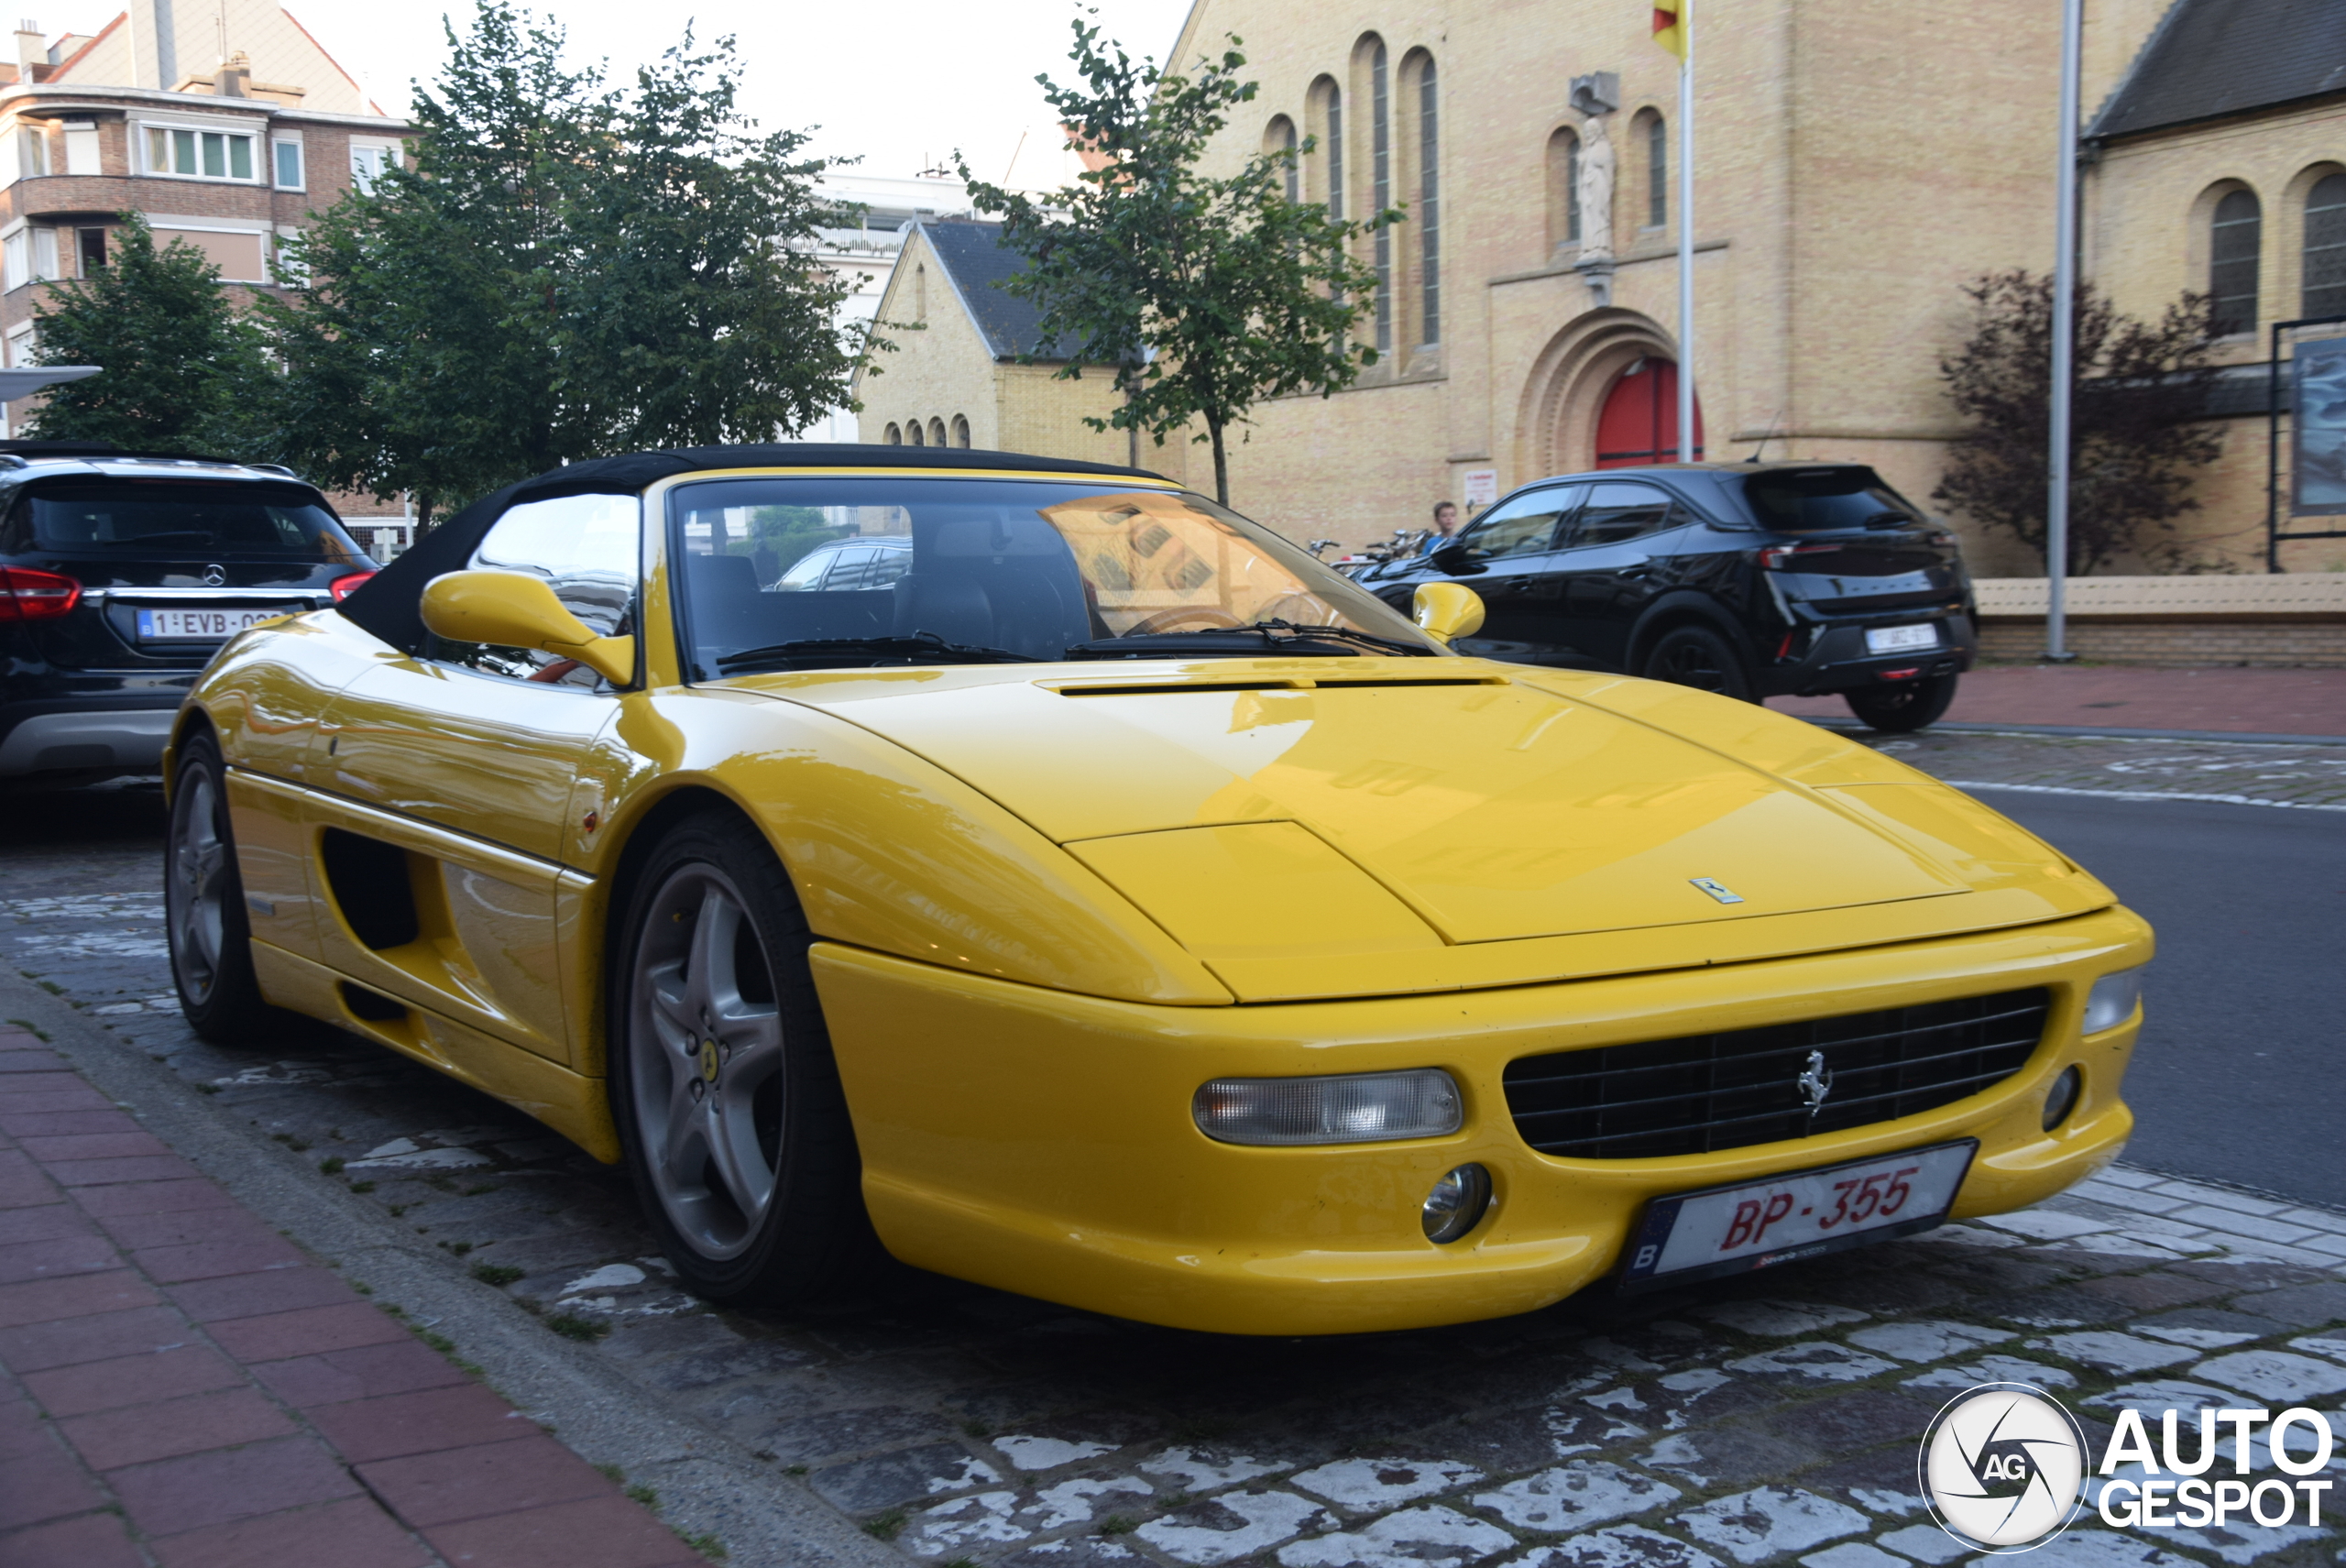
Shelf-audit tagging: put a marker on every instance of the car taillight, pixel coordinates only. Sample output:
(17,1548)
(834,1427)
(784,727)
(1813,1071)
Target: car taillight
(345,587)
(1774,556)
(37,596)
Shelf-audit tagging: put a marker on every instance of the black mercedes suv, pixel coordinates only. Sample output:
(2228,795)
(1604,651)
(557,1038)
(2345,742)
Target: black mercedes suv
(121,575)
(1749,579)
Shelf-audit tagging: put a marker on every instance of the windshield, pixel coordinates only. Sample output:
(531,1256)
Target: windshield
(829,574)
(1801,500)
(179,518)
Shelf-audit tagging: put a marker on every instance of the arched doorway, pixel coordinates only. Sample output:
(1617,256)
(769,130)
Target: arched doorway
(1639,423)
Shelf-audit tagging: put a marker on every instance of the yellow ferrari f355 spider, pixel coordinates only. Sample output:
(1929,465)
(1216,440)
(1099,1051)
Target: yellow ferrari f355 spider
(1041,872)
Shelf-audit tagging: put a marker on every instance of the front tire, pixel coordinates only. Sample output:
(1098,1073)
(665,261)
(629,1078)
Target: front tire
(1905,707)
(1699,657)
(203,904)
(727,1098)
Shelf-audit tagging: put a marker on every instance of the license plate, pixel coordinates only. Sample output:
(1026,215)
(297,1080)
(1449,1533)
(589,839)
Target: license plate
(1759,1225)
(1899,639)
(198,625)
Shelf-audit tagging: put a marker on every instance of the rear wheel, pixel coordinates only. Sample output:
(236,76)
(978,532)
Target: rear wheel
(1902,707)
(203,904)
(1699,657)
(728,1100)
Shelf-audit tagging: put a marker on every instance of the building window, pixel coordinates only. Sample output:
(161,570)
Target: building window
(199,154)
(1429,207)
(83,154)
(895,436)
(914,435)
(367,163)
(29,256)
(2235,237)
(287,156)
(90,251)
(937,433)
(2325,259)
(32,152)
(1657,171)
(1380,149)
(1564,188)
(961,431)
(23,344)
(1332,142)
(1279,139)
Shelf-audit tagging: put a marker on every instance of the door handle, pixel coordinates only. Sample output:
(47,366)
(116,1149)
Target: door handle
(1518,585)
(1630,573)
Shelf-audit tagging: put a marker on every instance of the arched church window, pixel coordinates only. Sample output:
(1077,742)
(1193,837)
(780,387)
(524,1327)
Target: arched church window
(1380,175)
(2235,237)
(912,433)
(961,431)
(1279,137)
(2324,292)
(895,436)
(1657,150)
(1428,206)
(937,433)
(1563,187)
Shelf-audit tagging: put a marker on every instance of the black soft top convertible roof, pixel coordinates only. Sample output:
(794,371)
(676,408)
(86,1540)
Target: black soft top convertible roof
(388,605)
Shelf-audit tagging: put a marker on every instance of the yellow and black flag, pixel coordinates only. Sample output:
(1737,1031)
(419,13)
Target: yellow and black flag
(1669,22)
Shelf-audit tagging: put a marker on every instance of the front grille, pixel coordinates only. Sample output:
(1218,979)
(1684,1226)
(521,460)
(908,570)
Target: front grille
(1730,1091)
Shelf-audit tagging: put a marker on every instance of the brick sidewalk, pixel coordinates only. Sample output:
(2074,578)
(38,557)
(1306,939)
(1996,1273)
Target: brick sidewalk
(2267,702)
(180,1385)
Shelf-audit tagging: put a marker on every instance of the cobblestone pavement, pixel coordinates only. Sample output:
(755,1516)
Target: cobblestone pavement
(1723,1427)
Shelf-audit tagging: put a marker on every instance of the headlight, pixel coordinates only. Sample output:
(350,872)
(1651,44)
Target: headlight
(1358,1108)
(2112,1000)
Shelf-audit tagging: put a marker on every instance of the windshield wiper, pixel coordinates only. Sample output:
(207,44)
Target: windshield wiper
(1284,636)
(825,653)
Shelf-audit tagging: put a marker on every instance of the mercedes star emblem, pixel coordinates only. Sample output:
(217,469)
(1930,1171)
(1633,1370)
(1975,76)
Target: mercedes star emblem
(214,575)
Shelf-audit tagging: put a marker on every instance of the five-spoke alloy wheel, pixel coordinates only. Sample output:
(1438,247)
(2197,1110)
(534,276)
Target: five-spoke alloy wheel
(727,1100)
(204,902)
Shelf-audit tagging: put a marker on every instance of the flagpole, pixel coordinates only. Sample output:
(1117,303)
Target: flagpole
(2064,291)
(1687,238)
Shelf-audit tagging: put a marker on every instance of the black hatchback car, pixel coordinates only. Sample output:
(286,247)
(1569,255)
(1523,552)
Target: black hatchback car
(121,575)
(1753,580)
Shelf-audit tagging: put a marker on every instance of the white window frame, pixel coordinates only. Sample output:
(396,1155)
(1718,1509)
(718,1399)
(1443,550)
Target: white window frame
(278,143)
(254,136)
(81,136)
(387,152)
(24,342)
(32,149)
(16,258)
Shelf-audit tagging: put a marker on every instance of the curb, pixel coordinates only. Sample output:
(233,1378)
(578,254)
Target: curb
(709,1481)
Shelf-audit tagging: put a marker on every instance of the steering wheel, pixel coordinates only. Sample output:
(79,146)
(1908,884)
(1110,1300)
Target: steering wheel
(1199,617)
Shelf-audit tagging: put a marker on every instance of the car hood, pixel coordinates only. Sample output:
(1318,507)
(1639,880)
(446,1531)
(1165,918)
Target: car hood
(1302,806)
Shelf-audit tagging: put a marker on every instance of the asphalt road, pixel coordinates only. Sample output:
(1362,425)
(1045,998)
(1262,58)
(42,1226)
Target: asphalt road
(2238,1076)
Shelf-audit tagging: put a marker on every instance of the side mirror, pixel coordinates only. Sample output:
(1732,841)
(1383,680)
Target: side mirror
(1457,559)
(515,609)
(1444,610)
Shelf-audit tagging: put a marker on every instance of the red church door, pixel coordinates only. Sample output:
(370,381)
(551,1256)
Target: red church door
(1639,422)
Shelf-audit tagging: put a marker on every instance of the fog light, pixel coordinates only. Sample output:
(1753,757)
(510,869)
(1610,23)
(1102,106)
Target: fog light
(2112,1001)
(1457,1204)
(2062,1098)
(1357,1108)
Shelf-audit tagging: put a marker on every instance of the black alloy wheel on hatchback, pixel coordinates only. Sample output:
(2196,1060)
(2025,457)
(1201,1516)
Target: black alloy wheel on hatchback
(1749,579)
(121,575)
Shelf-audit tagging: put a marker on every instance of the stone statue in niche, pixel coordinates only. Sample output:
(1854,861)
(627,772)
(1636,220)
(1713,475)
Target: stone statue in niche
(1596,192)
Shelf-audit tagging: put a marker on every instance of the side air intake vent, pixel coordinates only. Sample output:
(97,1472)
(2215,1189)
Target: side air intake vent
(369,881)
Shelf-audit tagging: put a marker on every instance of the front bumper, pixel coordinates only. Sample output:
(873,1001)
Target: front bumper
(1041,1142)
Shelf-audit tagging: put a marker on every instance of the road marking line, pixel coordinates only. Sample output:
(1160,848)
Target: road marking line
(2144,795)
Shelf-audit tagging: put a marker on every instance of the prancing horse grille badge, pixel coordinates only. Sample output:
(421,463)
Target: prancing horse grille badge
(1716,889)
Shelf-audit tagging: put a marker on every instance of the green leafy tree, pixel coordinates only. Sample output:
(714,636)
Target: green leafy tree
(2137,419)
(1201,295)
(564,269)
(181,369)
